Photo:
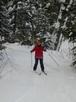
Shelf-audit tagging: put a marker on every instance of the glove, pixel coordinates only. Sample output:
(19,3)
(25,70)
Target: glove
(31,51)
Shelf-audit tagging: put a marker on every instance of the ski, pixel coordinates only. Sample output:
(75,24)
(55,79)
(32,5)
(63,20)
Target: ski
(45,73)
(40,73)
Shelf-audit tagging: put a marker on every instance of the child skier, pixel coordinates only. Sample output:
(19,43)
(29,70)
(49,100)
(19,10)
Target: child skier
(38,54)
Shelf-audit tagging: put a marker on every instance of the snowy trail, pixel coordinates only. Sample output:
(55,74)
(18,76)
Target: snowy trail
(20,84)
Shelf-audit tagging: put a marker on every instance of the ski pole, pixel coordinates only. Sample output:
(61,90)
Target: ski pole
(53,58)
(31,59)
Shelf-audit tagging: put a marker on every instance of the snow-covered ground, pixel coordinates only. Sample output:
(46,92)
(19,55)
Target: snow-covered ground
(18,83)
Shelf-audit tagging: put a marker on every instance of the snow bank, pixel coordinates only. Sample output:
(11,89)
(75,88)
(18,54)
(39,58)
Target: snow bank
(65,50)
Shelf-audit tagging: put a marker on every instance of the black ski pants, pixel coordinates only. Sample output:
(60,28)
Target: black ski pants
(36,63)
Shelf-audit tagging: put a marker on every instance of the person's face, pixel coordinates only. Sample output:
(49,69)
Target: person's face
(38,42)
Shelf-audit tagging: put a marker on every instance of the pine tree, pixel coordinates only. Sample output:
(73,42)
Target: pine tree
(27,19)
(12,9)
(4,26)
(69,31)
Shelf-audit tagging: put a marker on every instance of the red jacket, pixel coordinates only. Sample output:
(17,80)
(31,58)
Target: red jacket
(38,51)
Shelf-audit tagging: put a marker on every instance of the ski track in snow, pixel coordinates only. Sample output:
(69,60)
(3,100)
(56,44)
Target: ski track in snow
(18,83)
